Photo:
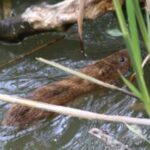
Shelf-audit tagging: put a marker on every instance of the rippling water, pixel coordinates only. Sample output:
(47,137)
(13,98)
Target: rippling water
(63,132)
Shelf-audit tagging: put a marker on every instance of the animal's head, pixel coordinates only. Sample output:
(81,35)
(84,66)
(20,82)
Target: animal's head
(118,61)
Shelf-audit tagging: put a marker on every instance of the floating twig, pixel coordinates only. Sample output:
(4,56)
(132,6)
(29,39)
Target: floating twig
(31,51)
(108,140)
(74,112)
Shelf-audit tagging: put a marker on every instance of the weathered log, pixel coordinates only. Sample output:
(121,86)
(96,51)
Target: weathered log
(66,90)
(45,17)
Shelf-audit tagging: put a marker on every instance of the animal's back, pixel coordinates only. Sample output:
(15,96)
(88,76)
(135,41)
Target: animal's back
(66,90)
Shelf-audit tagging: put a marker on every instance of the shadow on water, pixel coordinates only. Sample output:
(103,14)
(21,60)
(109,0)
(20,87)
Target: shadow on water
(64,132)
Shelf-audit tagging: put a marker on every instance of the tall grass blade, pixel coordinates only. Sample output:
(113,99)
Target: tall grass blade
(132,87)
(142,24)
(131,38)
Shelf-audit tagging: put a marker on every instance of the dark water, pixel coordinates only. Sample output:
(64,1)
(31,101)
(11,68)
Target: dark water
(102,37)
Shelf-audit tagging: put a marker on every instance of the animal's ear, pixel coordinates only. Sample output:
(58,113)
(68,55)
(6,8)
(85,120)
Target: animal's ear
(101,72)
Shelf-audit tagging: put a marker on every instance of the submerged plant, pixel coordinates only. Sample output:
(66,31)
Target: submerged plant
(131,38)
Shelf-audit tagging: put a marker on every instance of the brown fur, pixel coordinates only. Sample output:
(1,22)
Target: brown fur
(67,90)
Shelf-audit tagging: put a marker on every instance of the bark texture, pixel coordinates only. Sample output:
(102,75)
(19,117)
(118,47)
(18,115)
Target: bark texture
(46,17)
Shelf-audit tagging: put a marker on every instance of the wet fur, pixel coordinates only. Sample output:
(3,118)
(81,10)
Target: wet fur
(67,90)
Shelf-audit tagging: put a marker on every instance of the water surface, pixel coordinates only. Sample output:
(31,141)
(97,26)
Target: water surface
(64,132)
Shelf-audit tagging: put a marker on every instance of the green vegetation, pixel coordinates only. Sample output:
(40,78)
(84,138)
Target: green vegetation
(131,37)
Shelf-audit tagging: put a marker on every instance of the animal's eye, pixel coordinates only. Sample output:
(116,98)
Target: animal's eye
(122,59)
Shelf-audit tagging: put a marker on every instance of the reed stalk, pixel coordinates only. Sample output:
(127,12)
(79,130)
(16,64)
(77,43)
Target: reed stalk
(131,38)
(74,112)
